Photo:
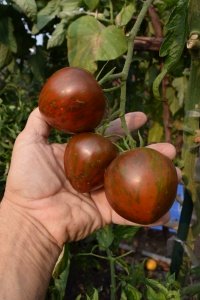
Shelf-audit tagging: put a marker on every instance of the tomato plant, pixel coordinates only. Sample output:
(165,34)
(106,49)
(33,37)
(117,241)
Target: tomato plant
(141,185)
(87,155)
(72,101)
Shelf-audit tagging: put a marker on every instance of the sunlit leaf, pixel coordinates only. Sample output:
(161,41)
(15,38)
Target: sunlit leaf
(69,8)
(29,7)
(89,41)
(91,4)
(111,43)
(45,15)
(58,35)
(125,15)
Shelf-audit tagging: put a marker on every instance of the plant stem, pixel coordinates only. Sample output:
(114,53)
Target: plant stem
(109,77)
(111,12)
(127,65)
(189,154)
(112,275)
(192,110)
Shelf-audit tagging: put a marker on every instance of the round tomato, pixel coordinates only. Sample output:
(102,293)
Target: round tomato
(141,185)
(86,157)
(72,101)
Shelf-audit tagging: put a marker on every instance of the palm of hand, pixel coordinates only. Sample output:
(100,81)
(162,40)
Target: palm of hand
(37,185)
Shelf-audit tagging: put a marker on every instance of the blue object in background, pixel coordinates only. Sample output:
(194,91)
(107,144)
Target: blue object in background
(175,211)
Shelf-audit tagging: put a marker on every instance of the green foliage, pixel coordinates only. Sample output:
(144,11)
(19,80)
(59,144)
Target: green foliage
(90,41)
(45,15)
(174,42)
(28,7)
(93,34)
(59,278)
(125,15)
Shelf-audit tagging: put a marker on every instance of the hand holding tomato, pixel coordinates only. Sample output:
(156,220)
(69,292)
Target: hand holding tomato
(37,185)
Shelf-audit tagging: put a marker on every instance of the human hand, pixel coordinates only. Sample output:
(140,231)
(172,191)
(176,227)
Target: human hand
(37,185)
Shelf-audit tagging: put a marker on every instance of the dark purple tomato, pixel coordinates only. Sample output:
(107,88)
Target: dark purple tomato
(72,101)
(141,185)
(86,157)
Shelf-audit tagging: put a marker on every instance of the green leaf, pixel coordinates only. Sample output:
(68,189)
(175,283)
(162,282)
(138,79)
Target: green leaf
(6,34)
(153,295)
(82,39)
(130,292)
(94,296)
(172,100)
(124,232)
(28,7)
(105,237)
(69,6)
(58,35)
(180,84)
(5,55)
(38,62)
(155,133)
(45,15)
(112,43)
(157,285)
(174,42)
(89,41)
(60,275)
(125,15)
(91,4)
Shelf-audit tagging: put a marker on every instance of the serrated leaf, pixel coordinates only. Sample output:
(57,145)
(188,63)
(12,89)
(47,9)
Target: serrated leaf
(89,41)
(174,42)
(29,7)
(6,34)
(91,4)
(125,15)
(45,15)
(58,35)
(5,55)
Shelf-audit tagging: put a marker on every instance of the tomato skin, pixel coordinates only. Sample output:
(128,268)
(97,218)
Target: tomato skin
(86,157)
(72,101)
(141,185)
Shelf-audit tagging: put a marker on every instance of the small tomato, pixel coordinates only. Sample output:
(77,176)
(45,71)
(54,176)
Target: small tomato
(86,157)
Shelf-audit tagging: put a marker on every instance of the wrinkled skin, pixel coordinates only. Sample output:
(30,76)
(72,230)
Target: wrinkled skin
(37,187)
(72,101)
(141,185)
(86,157)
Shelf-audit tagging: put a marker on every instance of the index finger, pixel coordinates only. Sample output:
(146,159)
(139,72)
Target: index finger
(36,128)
